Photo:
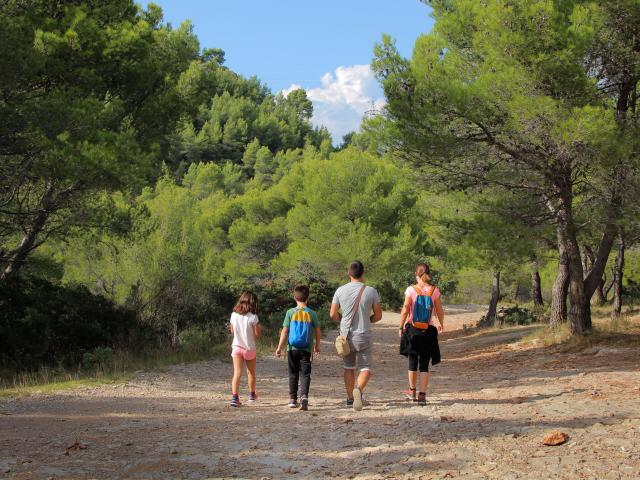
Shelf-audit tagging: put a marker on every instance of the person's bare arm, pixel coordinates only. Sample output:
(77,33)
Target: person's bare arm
(334,312)
(257,330)
(231,328)
(377,313)
(316,347)
(440,313)
(283,338)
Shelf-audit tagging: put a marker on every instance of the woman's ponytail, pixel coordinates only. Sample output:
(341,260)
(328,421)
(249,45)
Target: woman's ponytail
(423,272)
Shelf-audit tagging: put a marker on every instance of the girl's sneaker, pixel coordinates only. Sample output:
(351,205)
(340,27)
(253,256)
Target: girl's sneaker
(304,404)
(422,398)
(253,396)
(235,401)
(349,402)
(411,394)
(293,402)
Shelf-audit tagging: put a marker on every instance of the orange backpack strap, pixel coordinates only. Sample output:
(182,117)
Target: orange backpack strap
(421,292)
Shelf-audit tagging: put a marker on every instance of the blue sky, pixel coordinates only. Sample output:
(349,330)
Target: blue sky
(322,46)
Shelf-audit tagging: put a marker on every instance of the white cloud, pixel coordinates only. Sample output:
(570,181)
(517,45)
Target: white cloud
(343,98)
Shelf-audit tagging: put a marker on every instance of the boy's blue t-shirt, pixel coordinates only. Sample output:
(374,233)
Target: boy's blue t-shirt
(315,323)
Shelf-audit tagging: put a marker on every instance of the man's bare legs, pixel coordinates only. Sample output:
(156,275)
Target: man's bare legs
(349,380)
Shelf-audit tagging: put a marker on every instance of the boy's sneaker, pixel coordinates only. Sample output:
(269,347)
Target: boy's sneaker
(411,394)
(293,402)
(304,404)
(253,396)
(422,398)
(349,402)
(235,401)
(357,399)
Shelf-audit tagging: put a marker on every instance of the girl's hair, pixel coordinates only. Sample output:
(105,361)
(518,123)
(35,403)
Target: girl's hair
(422,272)
(248,302)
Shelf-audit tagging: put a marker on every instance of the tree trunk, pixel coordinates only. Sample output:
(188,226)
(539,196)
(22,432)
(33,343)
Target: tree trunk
(516,291)
(609,285)
(536,288)
(598,295)
(495,297)
(559,293)
(579,314)
(617,282)
(17,258)
(589,262)
(594,278)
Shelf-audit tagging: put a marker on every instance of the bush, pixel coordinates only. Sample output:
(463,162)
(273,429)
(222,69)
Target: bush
(631,292)
(97,359)
(196,340)
(515,316)
(510,316)
(42,324)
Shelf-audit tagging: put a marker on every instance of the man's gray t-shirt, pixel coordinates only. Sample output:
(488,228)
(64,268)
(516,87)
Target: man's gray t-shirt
(346,296)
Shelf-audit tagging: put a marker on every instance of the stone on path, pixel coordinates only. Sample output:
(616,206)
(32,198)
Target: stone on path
(555,438)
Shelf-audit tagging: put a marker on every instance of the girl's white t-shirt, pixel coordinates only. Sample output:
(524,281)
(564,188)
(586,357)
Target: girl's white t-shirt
(243,335)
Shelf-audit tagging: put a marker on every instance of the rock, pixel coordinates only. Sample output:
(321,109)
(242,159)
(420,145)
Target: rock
(591,351)
(555,438)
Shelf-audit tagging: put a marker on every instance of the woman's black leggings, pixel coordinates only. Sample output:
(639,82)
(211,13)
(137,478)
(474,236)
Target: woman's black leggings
(418,361)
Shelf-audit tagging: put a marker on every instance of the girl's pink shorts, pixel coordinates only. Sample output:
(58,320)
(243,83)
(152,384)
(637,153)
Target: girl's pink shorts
(240,352)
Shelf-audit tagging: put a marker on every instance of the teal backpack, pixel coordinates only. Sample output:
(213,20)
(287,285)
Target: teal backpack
(300,329)
(422,308)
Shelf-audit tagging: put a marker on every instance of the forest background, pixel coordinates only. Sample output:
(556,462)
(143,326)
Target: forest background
(144,185)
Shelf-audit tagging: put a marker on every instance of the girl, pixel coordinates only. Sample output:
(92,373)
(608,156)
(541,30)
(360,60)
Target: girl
(245,328)
(420,301)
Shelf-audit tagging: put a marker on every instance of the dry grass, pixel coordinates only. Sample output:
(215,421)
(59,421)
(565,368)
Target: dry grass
(623,331)
(120,367)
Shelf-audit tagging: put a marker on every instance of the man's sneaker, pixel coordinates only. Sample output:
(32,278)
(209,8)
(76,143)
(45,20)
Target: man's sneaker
(422,398)
(253,396)
(304,404)
(349,402)
(411,394)
(293,402)
(357,399)
(235,401)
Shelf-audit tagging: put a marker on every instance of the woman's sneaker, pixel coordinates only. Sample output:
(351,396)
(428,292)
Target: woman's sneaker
(253,396)
(235,401)
(304,404)
(349,402)
(411,394)
(293,402)
(422,398)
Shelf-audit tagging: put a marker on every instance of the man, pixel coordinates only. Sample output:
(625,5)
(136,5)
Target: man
(356,326)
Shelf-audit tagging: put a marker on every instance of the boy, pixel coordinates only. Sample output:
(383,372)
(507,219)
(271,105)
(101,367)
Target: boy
(299,327)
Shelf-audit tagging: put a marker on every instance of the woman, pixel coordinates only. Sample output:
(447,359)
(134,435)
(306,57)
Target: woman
(420,300)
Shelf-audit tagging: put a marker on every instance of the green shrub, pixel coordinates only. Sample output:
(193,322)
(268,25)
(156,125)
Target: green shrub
(97,359)
(43,324)
(510,316)
(515,316)
(196,340)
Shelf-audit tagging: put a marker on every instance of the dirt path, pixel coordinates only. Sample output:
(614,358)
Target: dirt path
(491,400)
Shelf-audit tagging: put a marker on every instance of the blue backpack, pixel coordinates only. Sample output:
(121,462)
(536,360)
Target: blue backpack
(300,329)
(422,308)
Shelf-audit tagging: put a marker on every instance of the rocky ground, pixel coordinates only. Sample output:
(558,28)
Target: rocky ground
(490,403)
